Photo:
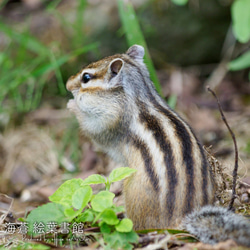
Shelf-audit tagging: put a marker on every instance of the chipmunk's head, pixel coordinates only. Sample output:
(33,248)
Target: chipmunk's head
(102,88)
(105,74)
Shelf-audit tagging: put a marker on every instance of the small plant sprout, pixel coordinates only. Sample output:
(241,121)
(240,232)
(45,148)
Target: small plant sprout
(74,202)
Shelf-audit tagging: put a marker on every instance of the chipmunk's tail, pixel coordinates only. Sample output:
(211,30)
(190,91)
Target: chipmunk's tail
(213,224)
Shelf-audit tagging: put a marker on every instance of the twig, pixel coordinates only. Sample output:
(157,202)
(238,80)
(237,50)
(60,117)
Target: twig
(230,206)
(92,229)
(4,215)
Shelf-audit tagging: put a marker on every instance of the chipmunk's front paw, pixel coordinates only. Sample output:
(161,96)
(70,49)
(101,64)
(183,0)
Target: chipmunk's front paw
(72,106)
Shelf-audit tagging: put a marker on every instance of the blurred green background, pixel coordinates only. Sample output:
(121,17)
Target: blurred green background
(43,42)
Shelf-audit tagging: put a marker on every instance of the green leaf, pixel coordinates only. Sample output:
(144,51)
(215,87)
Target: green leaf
(125,226)
(105,228)
(180,2)
(102,200)
(50,212)
(109,217)
(64,193)
(120,173)
(134,35)
(117,240)
(240,63)
(86,216)
(240,11)
(70,213)
(118,209)
(94,179)
(131,236)
(81,197)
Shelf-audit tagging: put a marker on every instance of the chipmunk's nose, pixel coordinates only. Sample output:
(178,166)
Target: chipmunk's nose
(73,83)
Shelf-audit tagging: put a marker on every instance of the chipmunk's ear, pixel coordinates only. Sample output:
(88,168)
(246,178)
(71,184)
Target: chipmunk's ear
(115,66)
(136,52)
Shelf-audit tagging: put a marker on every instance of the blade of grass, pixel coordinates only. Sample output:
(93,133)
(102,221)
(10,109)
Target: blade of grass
(53,4)
(24,39)
(3,3)
(78,23)
(134,35)
(22,46)
(8,82)
(58,74)
(172,100)
(63,59)
(29,96)
(38,67)
(19,75)
(38,93)
(61,18)
(19,104)
(77,26)
(79,14)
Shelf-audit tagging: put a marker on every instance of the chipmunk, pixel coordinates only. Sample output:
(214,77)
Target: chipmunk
(119,109)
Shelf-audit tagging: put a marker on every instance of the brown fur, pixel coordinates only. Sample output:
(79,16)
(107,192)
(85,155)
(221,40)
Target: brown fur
(91,90)
(121,112)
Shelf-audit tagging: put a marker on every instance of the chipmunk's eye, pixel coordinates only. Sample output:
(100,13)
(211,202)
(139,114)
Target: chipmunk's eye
(86,77)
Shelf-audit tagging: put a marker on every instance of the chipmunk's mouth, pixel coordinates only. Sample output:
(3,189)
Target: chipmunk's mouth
(72,105)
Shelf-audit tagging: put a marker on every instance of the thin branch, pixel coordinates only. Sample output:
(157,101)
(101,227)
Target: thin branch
(230,206)
(4,215)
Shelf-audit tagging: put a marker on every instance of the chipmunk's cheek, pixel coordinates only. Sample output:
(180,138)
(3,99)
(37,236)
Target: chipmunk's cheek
(86,103)
(80,101)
